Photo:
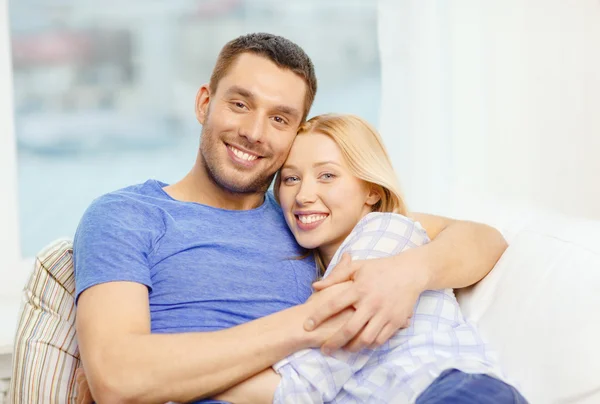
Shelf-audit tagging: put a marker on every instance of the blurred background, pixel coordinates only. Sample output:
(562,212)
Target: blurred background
(104,91)
(483,105)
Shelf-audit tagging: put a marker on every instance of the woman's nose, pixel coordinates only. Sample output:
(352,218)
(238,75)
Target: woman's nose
(306,194)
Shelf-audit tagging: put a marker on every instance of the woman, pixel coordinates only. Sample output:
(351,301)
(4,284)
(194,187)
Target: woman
(339,195)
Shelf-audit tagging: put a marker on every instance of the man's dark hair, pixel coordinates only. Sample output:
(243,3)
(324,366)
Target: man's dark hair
(283,52)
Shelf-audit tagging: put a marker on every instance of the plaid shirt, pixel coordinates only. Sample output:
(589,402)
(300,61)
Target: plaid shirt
(437,339)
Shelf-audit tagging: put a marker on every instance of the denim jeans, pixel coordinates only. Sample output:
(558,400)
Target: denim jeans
(456,387)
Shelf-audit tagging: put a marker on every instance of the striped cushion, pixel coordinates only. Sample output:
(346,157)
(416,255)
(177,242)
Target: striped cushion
(46,354)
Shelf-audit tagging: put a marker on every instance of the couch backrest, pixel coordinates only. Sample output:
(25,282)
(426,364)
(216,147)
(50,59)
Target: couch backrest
(539,308)
(45,355)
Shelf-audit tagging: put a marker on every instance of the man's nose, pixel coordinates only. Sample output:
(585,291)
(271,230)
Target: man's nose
(253,128)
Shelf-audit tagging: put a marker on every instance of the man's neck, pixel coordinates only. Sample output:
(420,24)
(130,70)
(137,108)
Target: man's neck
(198,187)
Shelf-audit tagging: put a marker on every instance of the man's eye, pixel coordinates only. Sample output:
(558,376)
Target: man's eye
(240,105)
(279,119)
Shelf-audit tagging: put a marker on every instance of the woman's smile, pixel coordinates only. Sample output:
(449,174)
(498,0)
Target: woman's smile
(309,220)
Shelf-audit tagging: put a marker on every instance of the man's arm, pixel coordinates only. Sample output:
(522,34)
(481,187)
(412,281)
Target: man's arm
(386,290)
(460,254)
(125,363)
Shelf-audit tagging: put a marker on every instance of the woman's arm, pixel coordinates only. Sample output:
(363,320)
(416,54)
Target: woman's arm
(258,389)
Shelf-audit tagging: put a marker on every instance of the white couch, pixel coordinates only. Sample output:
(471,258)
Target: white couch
(540,306)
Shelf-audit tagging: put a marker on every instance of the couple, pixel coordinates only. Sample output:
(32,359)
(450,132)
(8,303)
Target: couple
(199,289)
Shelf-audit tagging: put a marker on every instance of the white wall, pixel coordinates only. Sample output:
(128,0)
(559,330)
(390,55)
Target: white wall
(10,251)
(493,101)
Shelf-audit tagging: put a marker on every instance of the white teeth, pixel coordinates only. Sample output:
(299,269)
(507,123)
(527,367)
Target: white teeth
(240,154)
(307,219)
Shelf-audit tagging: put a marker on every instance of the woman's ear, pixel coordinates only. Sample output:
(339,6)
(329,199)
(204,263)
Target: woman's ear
(373,197)
(202,102)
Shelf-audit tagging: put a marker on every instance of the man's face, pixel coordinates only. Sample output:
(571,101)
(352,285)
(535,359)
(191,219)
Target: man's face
(249,123)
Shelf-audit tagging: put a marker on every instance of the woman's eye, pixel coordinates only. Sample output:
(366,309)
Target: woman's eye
(327,176)
(290,180)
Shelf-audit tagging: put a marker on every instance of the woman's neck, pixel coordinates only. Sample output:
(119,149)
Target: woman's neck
(326,252)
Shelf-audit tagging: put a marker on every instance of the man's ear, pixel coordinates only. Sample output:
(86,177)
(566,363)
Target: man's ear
(202,102)
(374,196)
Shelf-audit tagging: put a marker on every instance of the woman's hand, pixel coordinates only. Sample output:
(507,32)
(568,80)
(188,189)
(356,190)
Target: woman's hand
(384,293)
(334,309)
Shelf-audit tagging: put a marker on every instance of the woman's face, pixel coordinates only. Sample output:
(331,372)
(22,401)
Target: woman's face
(321,200)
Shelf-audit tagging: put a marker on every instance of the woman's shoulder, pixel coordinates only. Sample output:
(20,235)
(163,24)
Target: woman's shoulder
(387,222)
(382,234)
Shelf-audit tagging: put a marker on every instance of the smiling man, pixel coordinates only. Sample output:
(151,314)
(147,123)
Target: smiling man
(186,290)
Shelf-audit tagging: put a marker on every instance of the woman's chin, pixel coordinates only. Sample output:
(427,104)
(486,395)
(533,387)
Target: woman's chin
(309,244)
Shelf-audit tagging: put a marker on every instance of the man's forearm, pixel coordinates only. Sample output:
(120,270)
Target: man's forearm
(181,367)
(462,254)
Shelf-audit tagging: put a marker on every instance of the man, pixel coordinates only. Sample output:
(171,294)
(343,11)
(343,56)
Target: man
(186,290)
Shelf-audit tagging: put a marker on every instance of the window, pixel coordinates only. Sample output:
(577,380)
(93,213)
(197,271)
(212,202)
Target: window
(104,92)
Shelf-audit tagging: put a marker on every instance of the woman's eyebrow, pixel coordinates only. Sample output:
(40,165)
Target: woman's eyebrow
(289,166)
(322,163)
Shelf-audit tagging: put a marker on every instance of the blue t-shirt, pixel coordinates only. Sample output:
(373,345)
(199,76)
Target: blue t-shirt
(206,268)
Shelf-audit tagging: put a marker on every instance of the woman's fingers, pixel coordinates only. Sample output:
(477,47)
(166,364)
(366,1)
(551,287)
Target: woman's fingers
(367,337)
(386,333)
(356,323)
(328,303)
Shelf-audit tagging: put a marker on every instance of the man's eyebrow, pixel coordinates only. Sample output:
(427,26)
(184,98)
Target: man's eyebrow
(289,111)
(240,91)
(283,109)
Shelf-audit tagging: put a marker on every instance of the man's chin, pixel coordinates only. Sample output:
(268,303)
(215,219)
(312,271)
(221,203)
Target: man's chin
(245,187)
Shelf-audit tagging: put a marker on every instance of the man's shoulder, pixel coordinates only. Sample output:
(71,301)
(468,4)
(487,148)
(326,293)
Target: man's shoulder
(130,204)
(129,197)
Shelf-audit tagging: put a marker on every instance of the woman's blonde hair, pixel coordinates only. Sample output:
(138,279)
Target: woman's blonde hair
(366,156)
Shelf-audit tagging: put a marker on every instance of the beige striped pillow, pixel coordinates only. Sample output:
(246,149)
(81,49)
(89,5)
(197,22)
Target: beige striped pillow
(45,353)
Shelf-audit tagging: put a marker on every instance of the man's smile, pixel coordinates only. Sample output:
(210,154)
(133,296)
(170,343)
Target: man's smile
(241,156)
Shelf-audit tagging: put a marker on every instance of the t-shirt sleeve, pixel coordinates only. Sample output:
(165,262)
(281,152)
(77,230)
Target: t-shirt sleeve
(112,243)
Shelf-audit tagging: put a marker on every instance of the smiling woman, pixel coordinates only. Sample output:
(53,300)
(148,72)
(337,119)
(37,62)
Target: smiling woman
(347,175)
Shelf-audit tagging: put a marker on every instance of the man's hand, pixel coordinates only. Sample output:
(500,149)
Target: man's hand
(84,395)
(383,291)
